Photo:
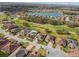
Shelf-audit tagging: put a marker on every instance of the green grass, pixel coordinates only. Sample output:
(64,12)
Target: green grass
(66,49)
(3,54)
(22,37)
(21,23)
(1,35)
(24,45)
(42,43)
(60,27)
(65,27)
(54,45)
(2,17)
(42,52)
(30,39)
(42,27)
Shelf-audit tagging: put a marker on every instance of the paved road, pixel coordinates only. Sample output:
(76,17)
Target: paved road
(53,52)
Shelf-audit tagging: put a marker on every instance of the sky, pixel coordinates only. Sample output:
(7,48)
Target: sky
(64,2)
(39,0)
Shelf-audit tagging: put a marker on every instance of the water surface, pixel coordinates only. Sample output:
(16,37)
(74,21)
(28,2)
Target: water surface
(53,14)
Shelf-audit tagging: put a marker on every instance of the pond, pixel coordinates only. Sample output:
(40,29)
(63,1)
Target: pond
(52,14)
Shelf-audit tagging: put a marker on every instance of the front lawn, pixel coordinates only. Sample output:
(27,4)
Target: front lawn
(24,45)
(66,49)
(3,54)
(29,39)
(1,35)
(43,42)
(41,52)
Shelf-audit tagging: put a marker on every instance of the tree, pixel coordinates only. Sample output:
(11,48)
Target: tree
(41,52)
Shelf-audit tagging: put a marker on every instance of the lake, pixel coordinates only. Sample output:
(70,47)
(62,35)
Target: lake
(53,14)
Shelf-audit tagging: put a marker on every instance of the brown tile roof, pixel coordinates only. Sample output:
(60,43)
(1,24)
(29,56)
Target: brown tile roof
(14,47)
(3,43)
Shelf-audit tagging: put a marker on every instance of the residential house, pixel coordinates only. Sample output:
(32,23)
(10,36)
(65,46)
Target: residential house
(9,24)
(72,43)
(77,17)
(24,32)
(53,39)
(5,45)
(47,38)
(34,53)
(50,38)
(32,34)
(15,52)
(13,47)
(63,42)
(43,37)
(15,30)
(38,36)
(22,53)
(30,48)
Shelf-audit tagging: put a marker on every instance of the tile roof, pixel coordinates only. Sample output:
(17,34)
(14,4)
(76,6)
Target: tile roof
(13,47)
(3,42)
(21,53)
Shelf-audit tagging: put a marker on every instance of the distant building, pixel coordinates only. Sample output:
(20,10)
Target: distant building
(67,19)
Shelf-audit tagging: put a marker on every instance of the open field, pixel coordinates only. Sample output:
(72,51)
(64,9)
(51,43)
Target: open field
(52,28)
